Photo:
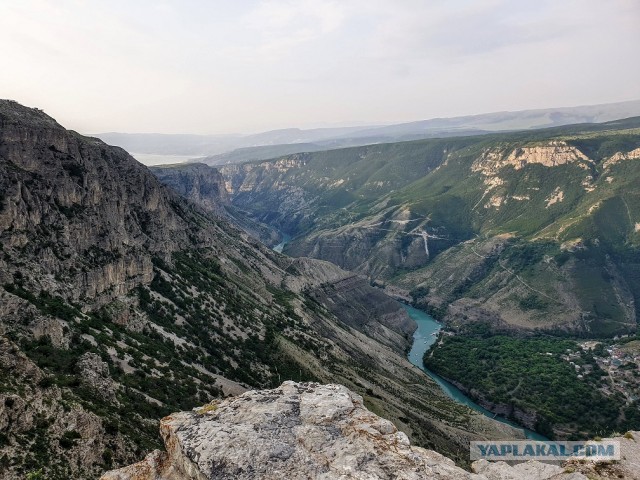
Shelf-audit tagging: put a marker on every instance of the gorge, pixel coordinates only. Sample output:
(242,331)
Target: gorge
(319,240)
(530,235)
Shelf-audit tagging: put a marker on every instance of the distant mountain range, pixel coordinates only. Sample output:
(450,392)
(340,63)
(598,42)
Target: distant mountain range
(225,149)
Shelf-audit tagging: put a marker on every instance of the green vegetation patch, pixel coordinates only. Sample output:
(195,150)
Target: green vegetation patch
(533,375)
(45,302)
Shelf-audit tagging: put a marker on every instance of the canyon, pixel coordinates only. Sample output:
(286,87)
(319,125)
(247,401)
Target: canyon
(121,302)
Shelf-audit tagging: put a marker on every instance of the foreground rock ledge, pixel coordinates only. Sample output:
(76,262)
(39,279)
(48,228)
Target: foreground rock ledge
(304,431)
(299,430)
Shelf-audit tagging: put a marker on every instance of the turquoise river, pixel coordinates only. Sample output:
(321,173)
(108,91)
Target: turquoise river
(423,338)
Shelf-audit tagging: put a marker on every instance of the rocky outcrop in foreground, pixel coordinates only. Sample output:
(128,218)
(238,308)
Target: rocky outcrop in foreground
(306,431)
(300,430)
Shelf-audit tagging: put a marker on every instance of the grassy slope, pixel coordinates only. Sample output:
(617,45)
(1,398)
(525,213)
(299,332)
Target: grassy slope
(568,268)
(602,221)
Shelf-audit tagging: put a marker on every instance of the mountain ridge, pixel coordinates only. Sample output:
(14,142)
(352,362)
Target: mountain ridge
(365,209)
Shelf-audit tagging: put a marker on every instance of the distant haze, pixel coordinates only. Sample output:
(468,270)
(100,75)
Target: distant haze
(205,67)
(156,149)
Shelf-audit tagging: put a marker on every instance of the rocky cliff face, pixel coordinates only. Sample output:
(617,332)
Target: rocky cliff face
(205,186)
(288,204)
(312,431)
(621,157)
(348,296)
(550,154)
(199,183)
(83,211)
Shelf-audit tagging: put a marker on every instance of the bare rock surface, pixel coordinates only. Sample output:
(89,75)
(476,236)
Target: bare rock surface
(551,154)
(299,430)
(527,470)
(628,467)
(95,374)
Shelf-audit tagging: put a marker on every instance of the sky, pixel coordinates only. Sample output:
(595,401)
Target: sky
(243,66)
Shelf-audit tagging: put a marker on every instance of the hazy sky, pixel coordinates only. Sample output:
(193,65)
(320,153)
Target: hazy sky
(242,66)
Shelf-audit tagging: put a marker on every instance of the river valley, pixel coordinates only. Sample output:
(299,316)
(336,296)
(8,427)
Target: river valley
(424,337)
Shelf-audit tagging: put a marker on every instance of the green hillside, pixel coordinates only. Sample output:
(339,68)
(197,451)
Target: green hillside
(557,209)
(531,237)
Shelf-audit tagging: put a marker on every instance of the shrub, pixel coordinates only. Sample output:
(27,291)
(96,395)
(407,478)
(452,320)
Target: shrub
(35,475)
(69,438)
(46,382)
